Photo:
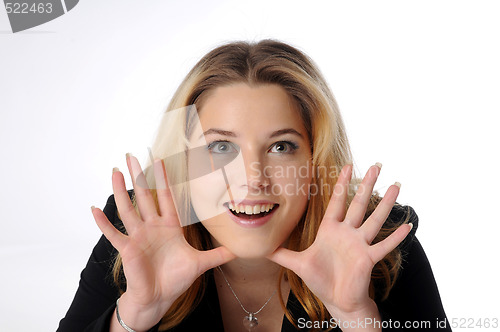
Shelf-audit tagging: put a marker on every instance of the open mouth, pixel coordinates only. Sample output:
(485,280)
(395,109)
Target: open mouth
(251,212)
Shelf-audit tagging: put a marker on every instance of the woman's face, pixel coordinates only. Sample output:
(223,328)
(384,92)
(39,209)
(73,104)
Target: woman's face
(252,204)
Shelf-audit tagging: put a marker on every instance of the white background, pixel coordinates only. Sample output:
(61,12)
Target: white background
(417,82)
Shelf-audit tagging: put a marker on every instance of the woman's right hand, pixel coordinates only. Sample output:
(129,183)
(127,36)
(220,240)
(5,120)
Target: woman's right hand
(158,262)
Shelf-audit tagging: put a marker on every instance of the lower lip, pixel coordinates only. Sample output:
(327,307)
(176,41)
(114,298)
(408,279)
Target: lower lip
(253,222)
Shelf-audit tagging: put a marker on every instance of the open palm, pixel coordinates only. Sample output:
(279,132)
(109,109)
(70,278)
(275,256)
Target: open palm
(158,263)
(337,266)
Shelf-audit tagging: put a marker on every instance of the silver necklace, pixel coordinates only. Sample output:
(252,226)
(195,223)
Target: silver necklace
(250,322)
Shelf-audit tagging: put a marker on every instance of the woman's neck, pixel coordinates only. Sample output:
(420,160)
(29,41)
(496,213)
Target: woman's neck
(247,271)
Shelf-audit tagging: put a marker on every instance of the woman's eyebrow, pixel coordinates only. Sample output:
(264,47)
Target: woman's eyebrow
(231,134)
(218,131)
(286,131)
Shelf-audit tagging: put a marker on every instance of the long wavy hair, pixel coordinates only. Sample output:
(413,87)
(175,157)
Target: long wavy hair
(268,62)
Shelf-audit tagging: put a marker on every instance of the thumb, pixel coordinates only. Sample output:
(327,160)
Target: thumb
(287,258)
(214,257)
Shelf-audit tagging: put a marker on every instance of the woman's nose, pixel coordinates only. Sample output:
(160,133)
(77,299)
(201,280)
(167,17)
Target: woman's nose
(255,170)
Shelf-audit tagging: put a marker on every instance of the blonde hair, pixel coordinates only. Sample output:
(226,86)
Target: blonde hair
(268,62)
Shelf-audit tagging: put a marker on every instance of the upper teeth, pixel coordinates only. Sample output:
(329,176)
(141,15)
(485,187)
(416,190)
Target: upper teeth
(250,209)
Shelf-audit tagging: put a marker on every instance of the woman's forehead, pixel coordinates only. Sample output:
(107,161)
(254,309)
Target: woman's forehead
(241,106)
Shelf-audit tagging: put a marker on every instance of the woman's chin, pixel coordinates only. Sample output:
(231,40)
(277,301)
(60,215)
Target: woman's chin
(252,253)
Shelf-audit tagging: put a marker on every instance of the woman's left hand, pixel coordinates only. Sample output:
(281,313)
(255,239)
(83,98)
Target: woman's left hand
(337,266)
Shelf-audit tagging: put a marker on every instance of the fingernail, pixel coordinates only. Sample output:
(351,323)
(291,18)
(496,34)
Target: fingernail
(92,208)
(128,155)
(397,184)
(346,168)
(379,165)
(411,226)
(115,169)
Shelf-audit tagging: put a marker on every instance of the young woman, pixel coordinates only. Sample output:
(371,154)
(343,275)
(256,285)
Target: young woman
(249,218)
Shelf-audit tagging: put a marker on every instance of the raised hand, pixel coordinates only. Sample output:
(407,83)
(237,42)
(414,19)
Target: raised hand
(337,266)
(158,262)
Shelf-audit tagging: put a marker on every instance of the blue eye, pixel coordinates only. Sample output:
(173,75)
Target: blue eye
(283,147)
(222,147)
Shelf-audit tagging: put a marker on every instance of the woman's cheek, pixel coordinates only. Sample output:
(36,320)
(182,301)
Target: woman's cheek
(207,195)
(292,181)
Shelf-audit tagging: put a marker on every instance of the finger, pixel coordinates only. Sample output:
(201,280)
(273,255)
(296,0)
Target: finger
(144,199)
(379,250)
(372,225)
(287,258)
(128,214)
(165,202)
(214,257)
(117,238)
(357,208)
(336,207)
